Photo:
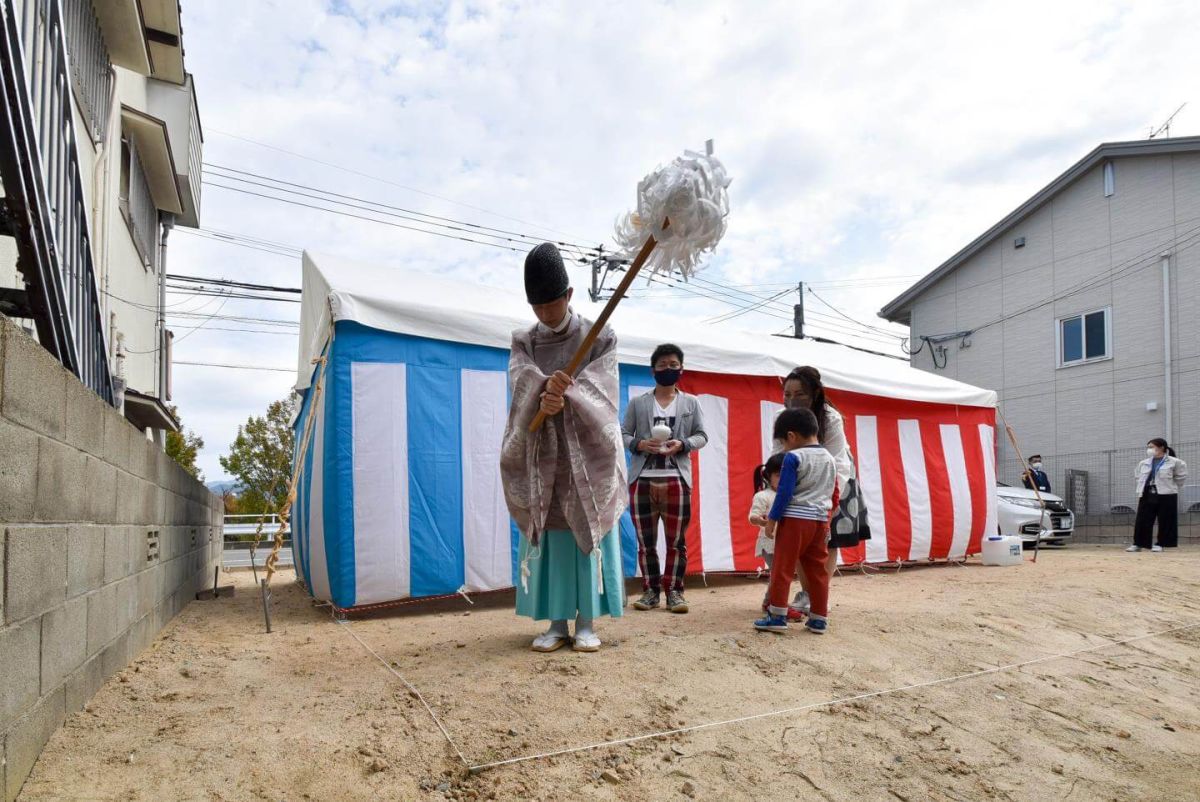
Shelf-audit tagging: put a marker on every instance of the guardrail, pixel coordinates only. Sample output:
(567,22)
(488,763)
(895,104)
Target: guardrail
(239,537)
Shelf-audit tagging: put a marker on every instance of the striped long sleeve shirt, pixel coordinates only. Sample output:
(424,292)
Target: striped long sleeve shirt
(806,485)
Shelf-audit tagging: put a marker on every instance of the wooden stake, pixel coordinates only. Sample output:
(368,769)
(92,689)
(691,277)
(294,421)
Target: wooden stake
(266,600)
(602,321)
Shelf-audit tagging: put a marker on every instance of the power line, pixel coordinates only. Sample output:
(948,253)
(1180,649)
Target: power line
(239,330)
(234,367)
(362,217)
(224,282)
(201,234)
(368,206)
(736,313)
(361,174)
(238,319)
(402,212)
(852,320)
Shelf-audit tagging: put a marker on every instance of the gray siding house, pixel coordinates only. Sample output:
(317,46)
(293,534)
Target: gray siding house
(1080,309)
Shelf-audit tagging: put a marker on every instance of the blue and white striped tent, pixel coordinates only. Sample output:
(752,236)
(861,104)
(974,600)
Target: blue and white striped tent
(400,493)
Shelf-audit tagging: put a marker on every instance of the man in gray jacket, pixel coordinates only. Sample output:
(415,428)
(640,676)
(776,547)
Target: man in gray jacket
(662,428)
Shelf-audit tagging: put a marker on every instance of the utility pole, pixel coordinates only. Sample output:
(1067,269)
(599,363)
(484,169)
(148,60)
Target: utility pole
(798,314)
(597,279)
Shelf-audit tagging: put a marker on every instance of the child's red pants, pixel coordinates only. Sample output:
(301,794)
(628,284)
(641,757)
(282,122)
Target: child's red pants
(803,541)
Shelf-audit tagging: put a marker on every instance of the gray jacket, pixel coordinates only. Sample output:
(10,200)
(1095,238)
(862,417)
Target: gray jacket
(689,430)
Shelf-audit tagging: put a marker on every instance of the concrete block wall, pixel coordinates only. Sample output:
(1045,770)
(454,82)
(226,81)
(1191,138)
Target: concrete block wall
(103,539)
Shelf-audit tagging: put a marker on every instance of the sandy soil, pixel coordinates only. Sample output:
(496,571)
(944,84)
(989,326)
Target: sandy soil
(218,710)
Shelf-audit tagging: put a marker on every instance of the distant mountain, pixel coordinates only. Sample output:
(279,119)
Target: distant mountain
(221,487)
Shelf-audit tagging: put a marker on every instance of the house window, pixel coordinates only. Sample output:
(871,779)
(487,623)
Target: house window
(1110,179)
(137,206)
(1084,338)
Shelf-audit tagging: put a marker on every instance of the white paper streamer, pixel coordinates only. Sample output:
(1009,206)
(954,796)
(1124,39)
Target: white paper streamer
(690,192)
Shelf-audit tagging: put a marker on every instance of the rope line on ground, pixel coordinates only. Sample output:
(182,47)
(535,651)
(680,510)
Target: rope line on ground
(411,688)
(829,703)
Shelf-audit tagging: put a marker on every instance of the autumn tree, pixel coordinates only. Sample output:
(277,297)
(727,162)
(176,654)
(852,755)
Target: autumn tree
(183,446)
(260,458)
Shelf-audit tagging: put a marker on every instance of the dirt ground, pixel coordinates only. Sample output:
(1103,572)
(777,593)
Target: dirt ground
(218,710)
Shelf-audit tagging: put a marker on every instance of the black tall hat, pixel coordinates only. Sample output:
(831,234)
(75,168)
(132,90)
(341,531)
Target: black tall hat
(546,279)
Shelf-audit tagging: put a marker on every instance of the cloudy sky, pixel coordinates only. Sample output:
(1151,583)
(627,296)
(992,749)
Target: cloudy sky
(868,142)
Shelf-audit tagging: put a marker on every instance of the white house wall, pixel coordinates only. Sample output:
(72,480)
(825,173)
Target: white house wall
(1077,237)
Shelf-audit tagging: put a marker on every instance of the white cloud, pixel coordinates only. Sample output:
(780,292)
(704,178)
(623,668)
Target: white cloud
(865,140)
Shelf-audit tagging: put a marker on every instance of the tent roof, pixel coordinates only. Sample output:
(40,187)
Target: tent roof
(425,305)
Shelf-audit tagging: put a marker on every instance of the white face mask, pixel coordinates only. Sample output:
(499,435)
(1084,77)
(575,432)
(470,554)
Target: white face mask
(1037,466)
(1150,452)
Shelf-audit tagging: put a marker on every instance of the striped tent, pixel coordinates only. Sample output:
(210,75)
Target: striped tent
(400,494)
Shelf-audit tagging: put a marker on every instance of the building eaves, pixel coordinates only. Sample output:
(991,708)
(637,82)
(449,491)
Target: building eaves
(897,310)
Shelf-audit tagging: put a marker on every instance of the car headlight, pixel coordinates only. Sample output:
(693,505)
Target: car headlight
(1022,502)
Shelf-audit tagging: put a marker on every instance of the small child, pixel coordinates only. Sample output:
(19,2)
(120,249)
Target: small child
(799,521)
(766,479)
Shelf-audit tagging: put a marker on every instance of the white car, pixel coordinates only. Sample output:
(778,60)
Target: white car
(1019,513)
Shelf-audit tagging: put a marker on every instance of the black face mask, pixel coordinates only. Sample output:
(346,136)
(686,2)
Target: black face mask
(669,377)
(796,403)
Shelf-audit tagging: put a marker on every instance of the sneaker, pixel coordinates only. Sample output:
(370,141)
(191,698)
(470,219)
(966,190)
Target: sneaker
(795,615)
(1156,548)
(816,626)
(675,602)
(1132,549)
(802,601)
(772,623)
(648,601)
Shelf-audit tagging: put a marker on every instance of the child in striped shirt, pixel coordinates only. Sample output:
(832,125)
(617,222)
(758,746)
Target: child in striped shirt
(799,521)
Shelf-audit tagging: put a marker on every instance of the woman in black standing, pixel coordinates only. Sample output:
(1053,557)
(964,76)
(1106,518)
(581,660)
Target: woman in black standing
(1160,477)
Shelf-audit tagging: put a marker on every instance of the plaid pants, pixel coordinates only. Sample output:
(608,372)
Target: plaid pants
(652,500)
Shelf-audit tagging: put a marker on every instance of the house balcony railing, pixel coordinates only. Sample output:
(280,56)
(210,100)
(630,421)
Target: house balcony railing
(91,66)
(44,205)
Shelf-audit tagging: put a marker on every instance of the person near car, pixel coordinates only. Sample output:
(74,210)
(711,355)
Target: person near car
(1160,477)
(660,475)
(803,389)
(1035,476)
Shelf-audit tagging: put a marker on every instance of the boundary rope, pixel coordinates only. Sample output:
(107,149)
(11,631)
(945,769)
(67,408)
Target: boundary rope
(411,689)
(828,703)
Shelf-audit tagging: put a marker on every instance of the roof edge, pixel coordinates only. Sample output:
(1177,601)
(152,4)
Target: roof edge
(896,311)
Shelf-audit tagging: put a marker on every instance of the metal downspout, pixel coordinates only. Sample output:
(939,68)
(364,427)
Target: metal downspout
(168,223)
(1169,412)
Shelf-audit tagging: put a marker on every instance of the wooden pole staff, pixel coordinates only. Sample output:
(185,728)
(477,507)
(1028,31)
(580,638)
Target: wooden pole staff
(602,320)
(1012,438)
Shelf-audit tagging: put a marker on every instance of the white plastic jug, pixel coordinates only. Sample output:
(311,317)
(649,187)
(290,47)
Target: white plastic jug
(1002,550)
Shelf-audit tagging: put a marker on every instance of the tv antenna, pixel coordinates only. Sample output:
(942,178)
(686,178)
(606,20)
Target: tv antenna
(1165,128)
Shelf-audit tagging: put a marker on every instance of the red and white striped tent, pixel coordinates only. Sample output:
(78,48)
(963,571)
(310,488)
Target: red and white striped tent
(417,372)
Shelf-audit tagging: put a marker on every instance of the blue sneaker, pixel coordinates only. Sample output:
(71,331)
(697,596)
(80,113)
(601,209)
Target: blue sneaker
(817,626)
(772,623)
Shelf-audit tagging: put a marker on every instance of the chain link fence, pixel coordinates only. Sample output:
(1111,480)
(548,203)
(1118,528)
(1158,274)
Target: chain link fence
(1103,482)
